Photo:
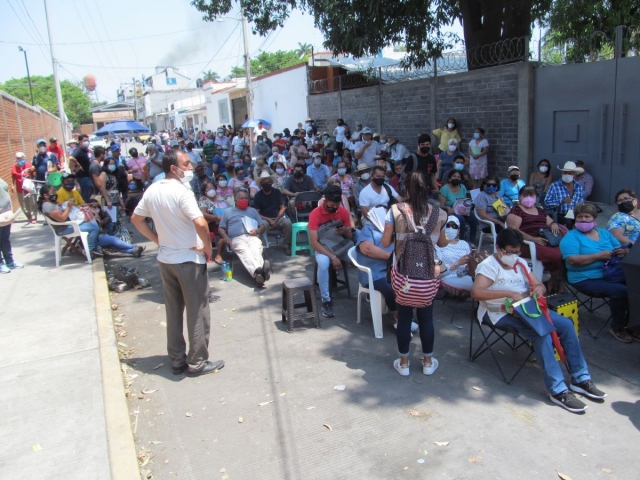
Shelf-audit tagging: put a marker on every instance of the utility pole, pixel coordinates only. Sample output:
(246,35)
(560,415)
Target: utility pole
(28,74)
(56,81)
(135,98)
(247,66)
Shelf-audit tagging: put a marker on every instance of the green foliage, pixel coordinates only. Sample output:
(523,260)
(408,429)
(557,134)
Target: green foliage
(304,49)
(268,62)
(210,75)
(76,101)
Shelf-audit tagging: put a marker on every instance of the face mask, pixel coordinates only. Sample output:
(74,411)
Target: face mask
(455,182)
(544,169)
(241,176)
(242,204)
(424,150)
(452,148)
(279,171)
(219,135)
(188,176)
(236,165)
(382,142)
(316,142)
(86,144)
(365,176)
(317,162)
(42,149)
(626,206)
(267,187)
(451,233)
(296,142)
(111,168)
(276,154)
(68,186)
(336,154)
(567,178)
(476,135)
(528,202)
(458,166)
(514,177)
(210,142)
(491,189)
(222,183)
(235,157)
(53,198)
(585,227)
(260,142)
(297,174)
(509,260)
(211,193)
(342,171)
(451,125)
(331,209)
(378,181)
(21,163)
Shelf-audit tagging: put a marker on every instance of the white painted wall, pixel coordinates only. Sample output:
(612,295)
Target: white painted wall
(213,110)
(281,99)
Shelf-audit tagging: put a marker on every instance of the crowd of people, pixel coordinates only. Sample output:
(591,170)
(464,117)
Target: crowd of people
(413,218)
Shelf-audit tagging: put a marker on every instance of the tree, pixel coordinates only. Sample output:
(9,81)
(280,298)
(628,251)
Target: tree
(210,75)
(363,27)
(268,62)
(304,49)
(76,102)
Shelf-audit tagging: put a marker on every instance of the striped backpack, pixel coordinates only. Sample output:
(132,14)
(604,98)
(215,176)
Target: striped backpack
(413,276)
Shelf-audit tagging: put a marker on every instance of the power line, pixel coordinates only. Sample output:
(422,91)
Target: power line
(106,32)
(24,7)
(148,66)
(71,73)
(28,31)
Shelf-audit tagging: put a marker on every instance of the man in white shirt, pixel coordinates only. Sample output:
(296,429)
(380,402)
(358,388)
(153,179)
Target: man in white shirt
(184,250)
(397,151)
(377,193)
(276,157)
(367,149)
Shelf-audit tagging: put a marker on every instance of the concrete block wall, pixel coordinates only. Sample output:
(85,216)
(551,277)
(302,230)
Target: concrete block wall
(487,98)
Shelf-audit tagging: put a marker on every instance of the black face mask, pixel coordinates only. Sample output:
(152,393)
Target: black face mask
(455,182)
(514,177)
(425,150)
(297,174)
(378,181)
(331,209)
(626,206)
(53,198)
(267,188)
(69,186)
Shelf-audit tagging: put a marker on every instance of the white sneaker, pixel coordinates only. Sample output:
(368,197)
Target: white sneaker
(404,371)
(430,369)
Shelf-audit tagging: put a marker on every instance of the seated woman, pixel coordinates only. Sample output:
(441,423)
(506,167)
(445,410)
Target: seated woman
(346,183)
(212,207)
(452,197)
(585,249)
(490,205)
(223,191)
(528,219)
(281,175)
(509,187)
(455,255)
(112,242)
(496,280)
(241,180)
(625,223)
(541,179)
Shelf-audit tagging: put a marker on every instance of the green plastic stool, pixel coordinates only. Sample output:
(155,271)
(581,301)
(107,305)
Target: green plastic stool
(54,179)
(295,229)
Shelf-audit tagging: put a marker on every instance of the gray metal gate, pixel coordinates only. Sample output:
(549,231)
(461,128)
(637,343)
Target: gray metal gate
(591,112)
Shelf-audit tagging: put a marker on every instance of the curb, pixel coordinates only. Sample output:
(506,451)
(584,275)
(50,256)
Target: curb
(123,461)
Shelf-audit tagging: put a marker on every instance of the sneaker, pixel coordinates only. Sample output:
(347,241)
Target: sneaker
(621,335)
(266,270)
(213,298)
(96,253)
(402,370)
(4,268)
(429,369)
(15,265)
(137,251)
(589,389)
(568,401)
(327,309)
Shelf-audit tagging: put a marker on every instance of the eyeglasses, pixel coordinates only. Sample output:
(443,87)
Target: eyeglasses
(453,225)
(492,184)
(625,199)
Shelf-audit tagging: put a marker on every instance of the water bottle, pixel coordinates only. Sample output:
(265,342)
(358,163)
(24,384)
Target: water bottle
(227,275)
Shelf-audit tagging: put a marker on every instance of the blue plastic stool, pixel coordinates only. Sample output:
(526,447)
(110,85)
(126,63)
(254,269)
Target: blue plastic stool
(295,229)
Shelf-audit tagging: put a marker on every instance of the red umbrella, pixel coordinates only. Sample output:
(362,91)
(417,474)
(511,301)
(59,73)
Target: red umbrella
(544,307)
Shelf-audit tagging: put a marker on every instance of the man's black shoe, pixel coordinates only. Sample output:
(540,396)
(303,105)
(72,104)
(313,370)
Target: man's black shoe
(266,270)
(589,389)
(327,309)
(568,401)
(179,370)
(213,298)
(209,367)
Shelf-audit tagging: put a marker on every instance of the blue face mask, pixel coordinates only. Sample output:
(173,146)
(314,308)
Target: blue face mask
(260,142)
(21,163)
(382,141)
(240,176)
(476,135)
(458,166)
(279,171)
(491,189)
(307,161)
(210,142)
(111,168)
(235,157)
(296,142)
(236,165)
(342,171)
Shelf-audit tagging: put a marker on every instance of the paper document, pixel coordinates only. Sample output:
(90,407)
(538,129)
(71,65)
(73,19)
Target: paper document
(112,211)
(249,224)
(377,218)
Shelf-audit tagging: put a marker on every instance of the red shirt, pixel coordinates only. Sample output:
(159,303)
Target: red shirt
(394,182)
(57,151)
(281,144)
(320,216)
(16,173)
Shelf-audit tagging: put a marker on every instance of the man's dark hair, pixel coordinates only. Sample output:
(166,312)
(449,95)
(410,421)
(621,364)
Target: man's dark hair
(459,156)
(378,168)
(301,165)
(239,168)
(170,158)
(82,136)
(509,237)
(424,137)
(333,193)
(190,145)
(98,151)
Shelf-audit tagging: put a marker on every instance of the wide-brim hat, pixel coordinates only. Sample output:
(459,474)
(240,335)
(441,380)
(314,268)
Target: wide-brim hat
(571,167)
(391,140)
(362,168)
(264,176)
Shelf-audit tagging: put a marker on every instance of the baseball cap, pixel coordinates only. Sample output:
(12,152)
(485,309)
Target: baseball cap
(20,155)
(53,139)
(513,167)
(41,140)
(366,130)
(113,148)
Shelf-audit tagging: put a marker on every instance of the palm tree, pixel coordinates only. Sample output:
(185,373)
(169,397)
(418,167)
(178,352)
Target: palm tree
(304,49)
(211,75)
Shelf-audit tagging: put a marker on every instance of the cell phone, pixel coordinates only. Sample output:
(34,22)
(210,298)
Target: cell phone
(625,246)
(339,225)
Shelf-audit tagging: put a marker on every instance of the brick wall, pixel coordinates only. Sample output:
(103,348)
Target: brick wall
(21,125)
(486,98)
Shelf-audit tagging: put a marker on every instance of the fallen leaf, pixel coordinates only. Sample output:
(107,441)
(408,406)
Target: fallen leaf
(114,307)
(123,344)
(240,419)
(327,426)
(140,396)
(421,460)
(583,454)
(476,459)
(233,309)
(607,470)
(339,387)
(311,408)
(156,442)
(188,414)
(149,391)
(283,394)
(406,468)
(478,389)
(36,447)
(265,403)
(166,461)
(442,444)
(563,476)
(222,470)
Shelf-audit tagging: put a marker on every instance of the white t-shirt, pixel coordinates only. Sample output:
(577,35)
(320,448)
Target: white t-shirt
(338,132)
(502,280)
(173,208)
(370,198)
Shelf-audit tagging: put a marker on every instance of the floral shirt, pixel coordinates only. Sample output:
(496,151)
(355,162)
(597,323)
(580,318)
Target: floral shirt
(215,206)
(225,195)
(279,181)
(628,223)
(346,184)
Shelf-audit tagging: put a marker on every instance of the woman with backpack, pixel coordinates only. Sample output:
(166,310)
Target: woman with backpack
(413,225)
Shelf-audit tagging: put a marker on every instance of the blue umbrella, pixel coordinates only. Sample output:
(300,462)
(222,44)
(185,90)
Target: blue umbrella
(120,127)
(253,123)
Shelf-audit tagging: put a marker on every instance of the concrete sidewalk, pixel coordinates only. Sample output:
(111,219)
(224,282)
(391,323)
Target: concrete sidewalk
(59,398)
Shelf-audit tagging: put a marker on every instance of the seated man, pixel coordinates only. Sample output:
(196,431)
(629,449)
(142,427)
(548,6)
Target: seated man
(377,192)
(496,280)
(269,203)
(240,228)
(68,190)
(330,210)
(295,184)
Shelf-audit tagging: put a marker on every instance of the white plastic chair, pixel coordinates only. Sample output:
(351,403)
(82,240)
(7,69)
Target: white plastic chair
(378,305)
(482,234)
(536,265)
(84,237)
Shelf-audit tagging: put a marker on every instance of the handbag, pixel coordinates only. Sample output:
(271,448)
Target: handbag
(7,218)
(332,240)
(552,240)
(122,233)
(612,270)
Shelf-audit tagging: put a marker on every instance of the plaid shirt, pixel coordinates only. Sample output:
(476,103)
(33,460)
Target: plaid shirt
(586,181)
(558,191)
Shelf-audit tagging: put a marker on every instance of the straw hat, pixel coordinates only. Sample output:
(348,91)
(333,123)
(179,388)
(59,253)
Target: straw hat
(263,176)
(571,167)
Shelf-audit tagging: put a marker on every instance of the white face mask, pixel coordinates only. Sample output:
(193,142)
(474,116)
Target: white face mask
(42,149)
(509,259)
(451,233)
(86,144)
(365,176)
(451,125)
(317,162)
(211,193)
(544,169)
(452,148)
(222,183)
(567,178)
(187,176)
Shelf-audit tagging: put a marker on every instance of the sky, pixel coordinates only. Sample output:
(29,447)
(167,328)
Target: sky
(104,39)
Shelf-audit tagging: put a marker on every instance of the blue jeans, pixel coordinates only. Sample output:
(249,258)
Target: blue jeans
(381,285)
(425,321)
(5,245)
(90,227)
(324,263)
(473,227)
(618,298)
(86,187)
(553,376)
(115,243)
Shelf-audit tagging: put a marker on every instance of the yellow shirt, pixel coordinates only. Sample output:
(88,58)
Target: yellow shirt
(445,135)
(64,195)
